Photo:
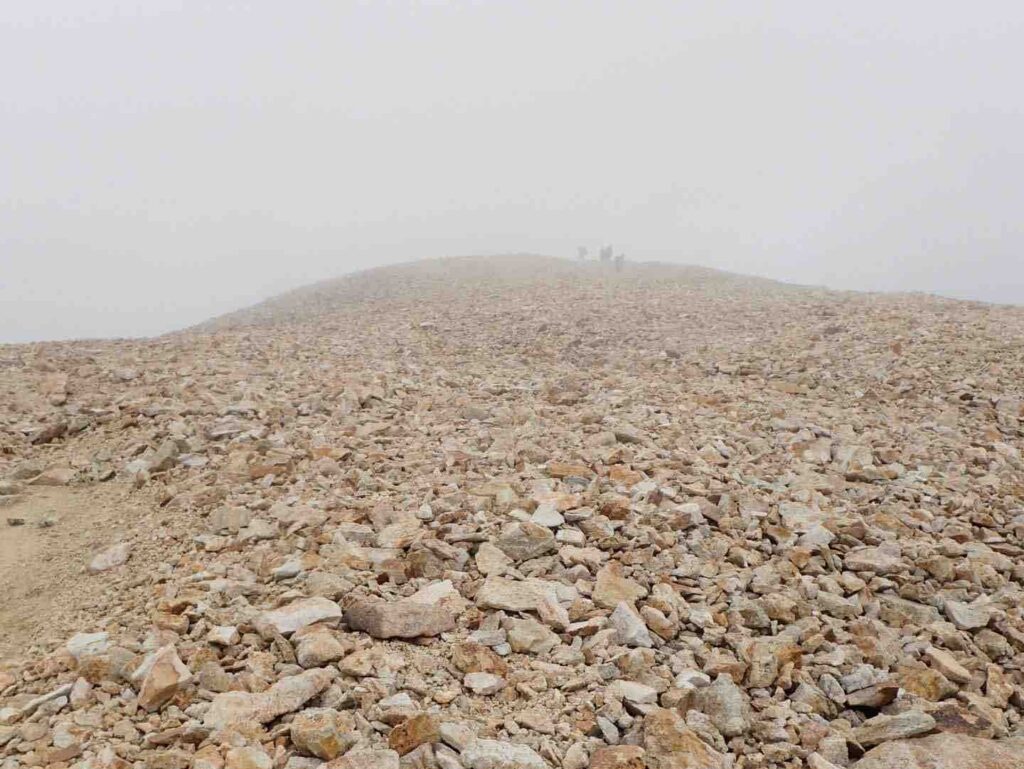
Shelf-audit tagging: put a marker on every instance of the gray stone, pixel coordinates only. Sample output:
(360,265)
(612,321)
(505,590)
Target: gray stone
(111,558)
(631,629)
(484,683)
(726,705)
(500,754)
(968,616)
(299,614)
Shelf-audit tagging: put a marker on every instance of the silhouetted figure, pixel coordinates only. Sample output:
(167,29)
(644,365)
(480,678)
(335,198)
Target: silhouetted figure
(581,253)
(619,259)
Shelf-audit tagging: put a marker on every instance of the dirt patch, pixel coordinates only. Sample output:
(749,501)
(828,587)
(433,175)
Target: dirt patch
(46,590)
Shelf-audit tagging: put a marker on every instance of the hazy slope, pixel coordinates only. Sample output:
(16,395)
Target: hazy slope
(472,276)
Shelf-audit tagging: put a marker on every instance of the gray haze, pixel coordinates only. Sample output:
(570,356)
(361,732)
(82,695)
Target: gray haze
(163,162)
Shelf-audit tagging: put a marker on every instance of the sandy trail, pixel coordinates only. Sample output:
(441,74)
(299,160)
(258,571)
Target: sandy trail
(42,570)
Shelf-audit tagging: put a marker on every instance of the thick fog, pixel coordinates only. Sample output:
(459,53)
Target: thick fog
(163,162)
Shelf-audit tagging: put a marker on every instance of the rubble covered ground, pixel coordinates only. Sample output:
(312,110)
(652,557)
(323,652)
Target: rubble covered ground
(506,512)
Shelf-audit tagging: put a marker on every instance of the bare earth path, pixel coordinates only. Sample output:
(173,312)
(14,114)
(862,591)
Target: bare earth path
(46,592)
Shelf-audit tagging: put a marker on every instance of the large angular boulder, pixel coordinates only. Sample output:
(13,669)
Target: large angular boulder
(160,676)
(399,619)
(945,751)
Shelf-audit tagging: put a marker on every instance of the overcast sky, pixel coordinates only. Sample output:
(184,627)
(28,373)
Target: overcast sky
(163,162)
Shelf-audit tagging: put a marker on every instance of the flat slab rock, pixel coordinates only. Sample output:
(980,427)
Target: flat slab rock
(367,759)
(399,619)
(883,728)
(497,754)
(286,696)
(299,614)
(512,595)
(945,751)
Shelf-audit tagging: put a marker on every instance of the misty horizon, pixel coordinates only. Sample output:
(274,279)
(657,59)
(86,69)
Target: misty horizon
(100,316)
(165,165)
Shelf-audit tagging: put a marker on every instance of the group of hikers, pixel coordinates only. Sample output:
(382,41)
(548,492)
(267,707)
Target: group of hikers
(604,254)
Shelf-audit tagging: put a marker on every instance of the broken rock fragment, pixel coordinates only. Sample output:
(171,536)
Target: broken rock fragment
(413,732)
(160,677)
(483,683)
(496,754)
(726,705)
(322,732)
(670,744)
(299,614)
(285,696)
(512,595)
(618,757)
(945,751)
(399,619)
(523,540)
(612,588)
(883,728)
(111,558)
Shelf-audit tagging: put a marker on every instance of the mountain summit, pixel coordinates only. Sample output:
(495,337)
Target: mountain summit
(520,511)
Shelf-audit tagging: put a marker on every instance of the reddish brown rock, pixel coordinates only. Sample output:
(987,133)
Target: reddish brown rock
(413,732)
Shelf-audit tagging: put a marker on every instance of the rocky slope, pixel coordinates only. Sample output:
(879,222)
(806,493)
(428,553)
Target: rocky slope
(523,512)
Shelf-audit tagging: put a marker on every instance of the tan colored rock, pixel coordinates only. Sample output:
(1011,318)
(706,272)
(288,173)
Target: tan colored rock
(566,469)
(612,588)
(968,616)
(726,705)
(366,758)
(161,675)
(883,728)
(300,614)
(249,757)
(527,636)
(618,757)
(884,559)
(400,534)
(322,732)
(500,754)
(399,619)
(475,658)
(484,683)
(316,646)
(287,695)
(491,561)
(512,595)
(946,664)
(945,751)
(413,732)
(927,683)
(670,744)
(522,540)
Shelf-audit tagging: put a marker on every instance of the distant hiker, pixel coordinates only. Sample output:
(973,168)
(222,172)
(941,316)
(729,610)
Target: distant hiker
(581,253)
(619,259)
